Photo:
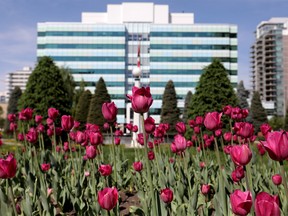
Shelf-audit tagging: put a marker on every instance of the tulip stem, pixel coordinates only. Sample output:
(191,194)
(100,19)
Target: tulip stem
(114,156)
(12,197)
(154,209)
(221,182)
(284,183)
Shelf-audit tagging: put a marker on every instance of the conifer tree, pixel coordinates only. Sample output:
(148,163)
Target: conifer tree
(188,99)
(83,108)
(100,96)
(69,83)
(12,105)
(258,113)
(214,91)
(242,95)
(76,98)
(45,89)
(13,100)
(169,111)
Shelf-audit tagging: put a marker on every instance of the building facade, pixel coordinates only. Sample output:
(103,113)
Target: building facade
(269,63)
(172,47)
(18,78)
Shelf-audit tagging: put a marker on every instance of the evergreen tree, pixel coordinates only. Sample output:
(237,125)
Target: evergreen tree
(83,108)
(76,98)
(188,99)
(100,96)
(214,91)
(13,100)
(276,122)
(2,120)
(12,105)
(169,111)
(69,83)
(258,113)
(45,89)
(242,95)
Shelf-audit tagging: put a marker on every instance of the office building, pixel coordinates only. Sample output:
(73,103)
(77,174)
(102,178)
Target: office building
(172,47)
(269,63)
(18,78)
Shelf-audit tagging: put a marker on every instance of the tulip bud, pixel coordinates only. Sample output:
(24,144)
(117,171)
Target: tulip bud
(105,170)
(108,198)
(91,152)
(8,167)
(53,113)
(45,167)
(277,179)
(141,99)
(166,195)
(240,154)
(138,166)
(266,204)
(205,189)
(181,128)
(109,111)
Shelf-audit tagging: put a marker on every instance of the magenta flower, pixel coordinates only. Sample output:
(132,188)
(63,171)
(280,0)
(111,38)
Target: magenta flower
(109,111)
(91,152)
(240,154)
(180,143)
(277,145)
(26,114)
(45,167)
(141,99)
(108,198)
(149,125)
(105,170)
(238,174)
(267,205)
(205,189)
(11,117)
(138,166)
(8,167)
(53,113)
(241,202)
(32,135)
(67,122)
(166,195)
(277,179)
(212,121)
(38,119)
(181,128)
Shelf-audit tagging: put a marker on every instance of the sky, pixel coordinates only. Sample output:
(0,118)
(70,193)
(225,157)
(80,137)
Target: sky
(18,24)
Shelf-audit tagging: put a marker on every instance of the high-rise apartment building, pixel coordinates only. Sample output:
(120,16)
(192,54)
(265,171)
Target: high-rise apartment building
(172,47)
(270,64)
(17,78)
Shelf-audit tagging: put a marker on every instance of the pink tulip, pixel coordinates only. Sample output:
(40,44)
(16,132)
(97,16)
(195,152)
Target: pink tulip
(11,117)
(95,138)
(135,129)
(199,120)
(240,154)
(49,121)
(180,143)
(13,126)
(118,133)
(246,130)
(138,166)
(76,124)
(205,189)
(26,114)
(129,126)
(238,174)
(109,111)
(277,145)
(20,137)
(117,140)
(38,119)
(40,128)
(32,135)
(149,125)
(181,128)
(140,138)
(227,110)
(45,167)
(108,198)
(261,149)
(80,137)
(192,123)
(92,127)
(241,202)
(227,136)
(53,113)
(189,143)
(202,164)
(105,170)
(277,179)
(141,99)
(266,205)
(66,147)
(67,122)
(91,152)
(8,167)
(166,195)
(106,126)
(265,128)
(151,155)
(50,132)
(196,130)
(212,121)
(218,132)
(227,149)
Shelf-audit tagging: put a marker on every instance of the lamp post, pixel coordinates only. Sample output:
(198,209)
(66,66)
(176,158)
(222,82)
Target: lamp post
(136,116)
